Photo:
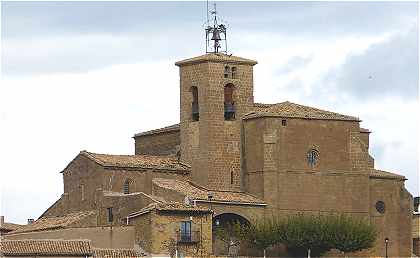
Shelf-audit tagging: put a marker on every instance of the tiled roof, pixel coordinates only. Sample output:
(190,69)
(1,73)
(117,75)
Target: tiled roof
(170,207)
(176,206)
(6,226)
(374,173)
(137,161)
(261,106)
(166,129)
(216,57)
(45,247)
(50,223)
(292,110)
(200,193)
(117,253)
(364,130)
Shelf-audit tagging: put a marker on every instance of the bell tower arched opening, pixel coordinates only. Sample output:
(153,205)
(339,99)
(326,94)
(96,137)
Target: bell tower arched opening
(229,102)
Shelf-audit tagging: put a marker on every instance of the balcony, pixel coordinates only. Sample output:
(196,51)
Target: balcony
(188,237)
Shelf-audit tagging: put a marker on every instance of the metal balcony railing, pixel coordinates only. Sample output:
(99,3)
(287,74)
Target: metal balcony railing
(188,237)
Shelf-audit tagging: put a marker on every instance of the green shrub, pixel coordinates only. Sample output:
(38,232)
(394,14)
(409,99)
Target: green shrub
(319,234)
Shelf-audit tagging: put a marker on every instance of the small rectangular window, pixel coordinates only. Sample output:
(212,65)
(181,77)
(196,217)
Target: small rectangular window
(283,122)
(110,215)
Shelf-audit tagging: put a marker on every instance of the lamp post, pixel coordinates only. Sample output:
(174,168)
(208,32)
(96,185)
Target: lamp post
(209,197)
(386,247)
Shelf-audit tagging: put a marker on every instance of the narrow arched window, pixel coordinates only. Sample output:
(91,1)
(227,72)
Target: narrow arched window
(231,177)
(227,71)
(229,103)
(126,188)
(194,104)
(234,74)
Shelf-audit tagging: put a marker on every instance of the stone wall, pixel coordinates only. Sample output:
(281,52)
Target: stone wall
(395,222)
(156,233)
(84,181)
(158,144)
(212,145)
(278,171)
(415,233)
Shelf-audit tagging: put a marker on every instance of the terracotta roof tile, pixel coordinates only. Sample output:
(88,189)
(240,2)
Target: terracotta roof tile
(137,161)
(170,207)
(216,57)
(292,110)
(117,253)
(374,173)
(176,206)
(200,193)
(166,129)
(45,247)
(50,223)
(6,226)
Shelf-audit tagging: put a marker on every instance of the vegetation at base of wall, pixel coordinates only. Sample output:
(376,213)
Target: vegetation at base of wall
(351,235)
(304,234)
(231,234)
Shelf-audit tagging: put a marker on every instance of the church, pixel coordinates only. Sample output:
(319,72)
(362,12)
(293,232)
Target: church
(229,158)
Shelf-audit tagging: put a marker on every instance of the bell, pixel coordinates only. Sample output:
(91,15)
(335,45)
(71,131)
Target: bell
(216,35)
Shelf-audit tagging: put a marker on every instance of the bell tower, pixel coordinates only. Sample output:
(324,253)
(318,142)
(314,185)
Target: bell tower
(216,90)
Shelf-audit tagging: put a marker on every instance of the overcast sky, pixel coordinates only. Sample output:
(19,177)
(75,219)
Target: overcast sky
(85,76)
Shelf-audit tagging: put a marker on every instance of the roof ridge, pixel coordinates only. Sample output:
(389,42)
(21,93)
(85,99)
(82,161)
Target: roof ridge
(165,129)
(165,162)
(294,110)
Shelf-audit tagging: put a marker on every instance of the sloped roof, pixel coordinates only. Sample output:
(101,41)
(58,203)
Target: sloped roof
(44,247)
(200,193)
(374,173)
(216,57)
(6,226)
(170,207)
(166,129)
(364,130)
(50,223)
(117,253)
(137,161)
(292,110)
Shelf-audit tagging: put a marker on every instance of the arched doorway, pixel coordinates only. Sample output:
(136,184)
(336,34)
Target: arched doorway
(222,225)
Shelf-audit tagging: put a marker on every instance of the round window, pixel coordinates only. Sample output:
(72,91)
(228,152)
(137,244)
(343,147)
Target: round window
(380,206)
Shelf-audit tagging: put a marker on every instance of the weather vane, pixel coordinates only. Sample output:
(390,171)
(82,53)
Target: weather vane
(215,33)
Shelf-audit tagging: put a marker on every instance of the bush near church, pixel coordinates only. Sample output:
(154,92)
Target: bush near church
(304,235)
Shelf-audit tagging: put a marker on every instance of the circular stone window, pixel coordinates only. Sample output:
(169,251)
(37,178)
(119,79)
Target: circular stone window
(380,207)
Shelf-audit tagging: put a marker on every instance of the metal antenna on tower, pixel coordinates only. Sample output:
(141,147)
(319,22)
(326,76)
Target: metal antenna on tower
(217,32)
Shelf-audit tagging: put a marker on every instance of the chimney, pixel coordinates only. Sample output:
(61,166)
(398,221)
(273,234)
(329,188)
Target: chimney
(30,221)
(1,220)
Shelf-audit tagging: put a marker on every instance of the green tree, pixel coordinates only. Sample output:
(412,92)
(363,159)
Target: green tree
(305,235)
(262,233)
(350,234)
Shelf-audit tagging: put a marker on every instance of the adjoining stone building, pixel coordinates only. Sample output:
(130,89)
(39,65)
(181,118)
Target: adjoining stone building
(231,158)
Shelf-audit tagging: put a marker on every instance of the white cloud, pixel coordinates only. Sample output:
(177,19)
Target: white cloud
(48,119)
(92,87)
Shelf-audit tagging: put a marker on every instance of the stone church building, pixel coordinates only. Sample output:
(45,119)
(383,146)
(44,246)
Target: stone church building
(229,158)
